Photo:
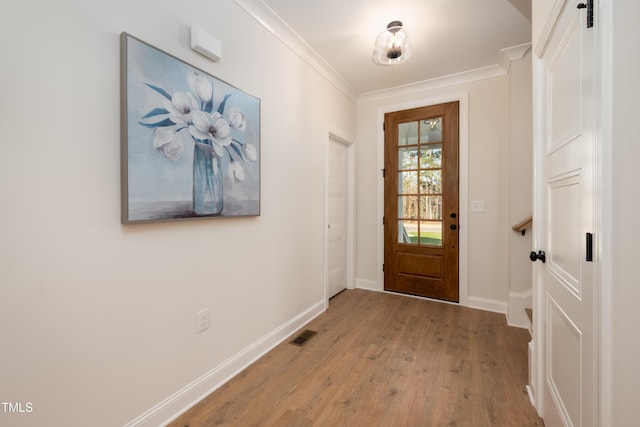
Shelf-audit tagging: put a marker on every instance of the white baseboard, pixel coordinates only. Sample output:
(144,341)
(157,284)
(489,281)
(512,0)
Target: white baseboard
(518,301)
(531,387)
(182,400)
(487,304)
(370,285)
(532,396)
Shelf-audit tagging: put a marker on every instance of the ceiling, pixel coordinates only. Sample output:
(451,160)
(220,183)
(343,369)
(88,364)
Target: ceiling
(447,36)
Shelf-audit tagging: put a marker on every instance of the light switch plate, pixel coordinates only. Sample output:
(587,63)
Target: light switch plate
(203,320)
(477,206)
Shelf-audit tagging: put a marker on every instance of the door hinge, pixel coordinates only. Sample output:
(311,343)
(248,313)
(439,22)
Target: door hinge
(382,220)
(589,254)
(384,173)
(384,126)
(589,6)
(383,267)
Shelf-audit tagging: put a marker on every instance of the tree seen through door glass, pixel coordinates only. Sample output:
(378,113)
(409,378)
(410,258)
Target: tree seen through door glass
(420,182)
(408,158)
(431,182)
(431,156)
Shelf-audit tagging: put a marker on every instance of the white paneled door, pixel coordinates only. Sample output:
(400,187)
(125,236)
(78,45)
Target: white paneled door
(338,197)
(566,222)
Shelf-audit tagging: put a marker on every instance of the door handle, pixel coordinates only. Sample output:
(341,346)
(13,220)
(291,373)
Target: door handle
(538,256)
(453,227)
(589,257)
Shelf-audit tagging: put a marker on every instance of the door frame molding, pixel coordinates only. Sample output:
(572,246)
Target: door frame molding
(603,275)
(331,134)
(463,98)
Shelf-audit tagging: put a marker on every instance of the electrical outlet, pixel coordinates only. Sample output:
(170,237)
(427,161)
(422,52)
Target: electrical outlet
(477,206)
(203,320)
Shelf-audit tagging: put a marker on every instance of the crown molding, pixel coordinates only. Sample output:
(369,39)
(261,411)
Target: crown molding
(506,56)
(265,16)
(439,82)
(513,53)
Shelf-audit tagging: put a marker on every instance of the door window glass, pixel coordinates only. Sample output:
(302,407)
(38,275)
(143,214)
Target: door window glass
(420,182)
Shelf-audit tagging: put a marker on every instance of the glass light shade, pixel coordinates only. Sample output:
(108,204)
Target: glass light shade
(392,45)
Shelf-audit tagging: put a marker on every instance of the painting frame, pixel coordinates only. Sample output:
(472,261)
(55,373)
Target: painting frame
(190,142)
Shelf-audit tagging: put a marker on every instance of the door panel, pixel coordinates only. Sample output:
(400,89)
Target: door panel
(421,201)
(566,87)
(337,268)
(420,264)
(567,215)
(564,362)
(565,231)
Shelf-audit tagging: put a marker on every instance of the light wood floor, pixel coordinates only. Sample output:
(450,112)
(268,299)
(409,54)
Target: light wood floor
(383,360)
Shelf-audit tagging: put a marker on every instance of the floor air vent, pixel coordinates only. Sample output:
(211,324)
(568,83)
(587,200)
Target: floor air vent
(302,339)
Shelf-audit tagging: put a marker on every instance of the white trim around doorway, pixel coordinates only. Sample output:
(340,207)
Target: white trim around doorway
(331,134)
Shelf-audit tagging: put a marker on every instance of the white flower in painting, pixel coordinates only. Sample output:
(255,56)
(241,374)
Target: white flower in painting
(218,149)
(237,119)
(211,127)
(236,171)
(212,150)
(249,153)
(201,86)
(181,107)
(167,140)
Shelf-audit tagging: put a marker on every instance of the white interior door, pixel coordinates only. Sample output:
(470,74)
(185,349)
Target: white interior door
(338,194)
(566,207)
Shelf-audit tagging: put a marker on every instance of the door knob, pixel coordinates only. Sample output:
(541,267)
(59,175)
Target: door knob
(453,226)
(537,256)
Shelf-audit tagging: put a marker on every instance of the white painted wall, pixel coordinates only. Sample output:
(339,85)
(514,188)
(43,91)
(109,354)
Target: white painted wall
(624,285)
(97,319)
(520,186)
(488,266)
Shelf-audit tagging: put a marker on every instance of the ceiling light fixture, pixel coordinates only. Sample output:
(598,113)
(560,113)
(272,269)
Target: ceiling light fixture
(392,45)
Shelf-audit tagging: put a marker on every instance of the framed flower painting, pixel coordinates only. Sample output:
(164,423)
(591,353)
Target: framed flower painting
(190,142)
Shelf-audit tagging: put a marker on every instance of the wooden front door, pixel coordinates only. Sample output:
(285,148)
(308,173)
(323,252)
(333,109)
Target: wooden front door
(421,202)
